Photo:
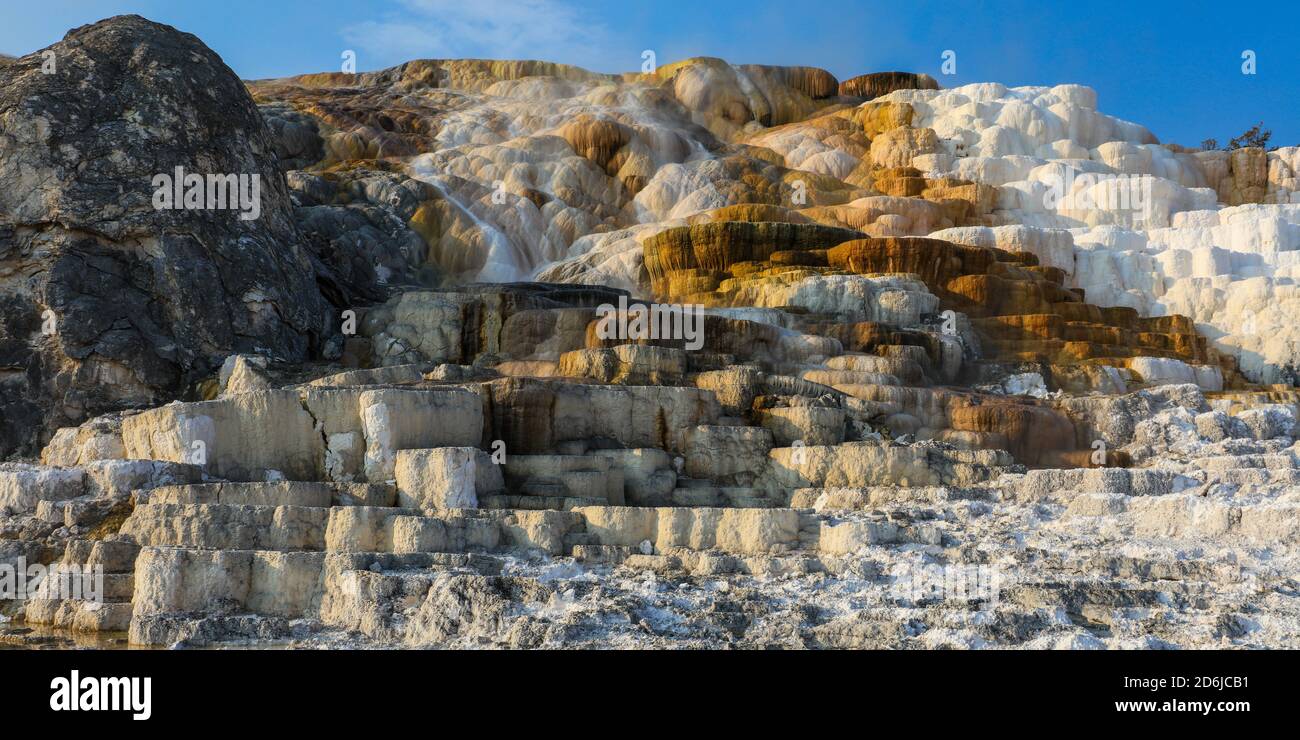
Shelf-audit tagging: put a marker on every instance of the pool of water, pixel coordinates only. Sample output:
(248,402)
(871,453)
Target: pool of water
(16,635)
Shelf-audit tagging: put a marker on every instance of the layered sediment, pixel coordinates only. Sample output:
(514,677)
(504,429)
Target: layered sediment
(519,355)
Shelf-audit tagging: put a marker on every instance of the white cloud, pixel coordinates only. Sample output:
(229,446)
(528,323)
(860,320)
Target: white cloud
(551,30)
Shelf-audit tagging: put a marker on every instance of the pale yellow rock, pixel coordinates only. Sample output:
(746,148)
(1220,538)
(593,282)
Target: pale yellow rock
(240,437)
(442,478)
(394,375)
(847,538)
(420,326)
(627,363)
(727,452)
(862,464)
(97,439)
(805,422)
(397,420)
(176,581)
(23,487)
(244,374)
(362,528)
(305,434)
(742,531)
(539,530)
(734,387)
(455,531)
(228,527)
(896,147)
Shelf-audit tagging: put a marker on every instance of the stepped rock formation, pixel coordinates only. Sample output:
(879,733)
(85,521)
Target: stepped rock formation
(522,355)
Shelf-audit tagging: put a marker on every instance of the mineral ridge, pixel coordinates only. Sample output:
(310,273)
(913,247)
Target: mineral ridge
(979,367)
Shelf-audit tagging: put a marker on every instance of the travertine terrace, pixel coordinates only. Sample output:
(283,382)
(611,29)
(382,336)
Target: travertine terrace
(980,367)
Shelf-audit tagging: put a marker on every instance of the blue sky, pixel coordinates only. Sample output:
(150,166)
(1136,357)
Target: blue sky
(1172,66)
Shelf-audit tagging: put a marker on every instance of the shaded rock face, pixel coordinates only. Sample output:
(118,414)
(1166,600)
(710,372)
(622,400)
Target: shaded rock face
(109,301)
(360,226)
(296,136)
(874,85)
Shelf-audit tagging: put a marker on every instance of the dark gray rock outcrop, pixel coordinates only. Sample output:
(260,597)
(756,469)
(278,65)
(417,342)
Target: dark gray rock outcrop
(295,135)
(106,301)
(356,225)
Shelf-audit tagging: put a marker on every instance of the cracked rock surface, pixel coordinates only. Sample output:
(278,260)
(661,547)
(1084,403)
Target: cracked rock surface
(910,407)
(137,303)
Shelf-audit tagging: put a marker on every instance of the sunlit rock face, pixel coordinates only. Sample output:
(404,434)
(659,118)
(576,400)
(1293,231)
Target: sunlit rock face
(538,170)
(535,164)
(1230,270)
(777,342)
(1131,222)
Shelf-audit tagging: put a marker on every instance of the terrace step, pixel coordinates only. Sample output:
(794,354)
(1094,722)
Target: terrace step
(78,615)
(736,497)
(229,526)
(94,592)
(538,503)
(565,476)
(255,593)
(278,493)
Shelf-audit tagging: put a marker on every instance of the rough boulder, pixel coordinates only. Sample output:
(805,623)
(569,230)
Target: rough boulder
(105,300)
